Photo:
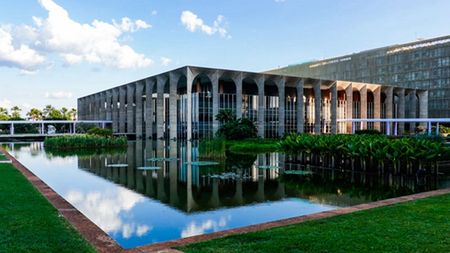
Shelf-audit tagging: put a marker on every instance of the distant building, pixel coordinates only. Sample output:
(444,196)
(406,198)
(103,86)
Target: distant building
(422,64)
(183,103)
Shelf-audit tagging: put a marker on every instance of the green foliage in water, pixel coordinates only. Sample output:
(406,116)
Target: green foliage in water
(368,131)
(212,148)
(100,132)
(235,129)
(253,146)
(368,149)
(84,141)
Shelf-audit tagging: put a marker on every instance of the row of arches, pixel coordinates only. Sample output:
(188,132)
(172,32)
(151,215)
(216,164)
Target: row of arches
(165,106)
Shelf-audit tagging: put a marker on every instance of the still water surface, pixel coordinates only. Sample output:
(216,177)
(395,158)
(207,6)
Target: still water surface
(156,191)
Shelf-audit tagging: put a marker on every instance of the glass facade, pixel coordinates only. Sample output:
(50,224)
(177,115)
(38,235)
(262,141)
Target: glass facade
(419,65)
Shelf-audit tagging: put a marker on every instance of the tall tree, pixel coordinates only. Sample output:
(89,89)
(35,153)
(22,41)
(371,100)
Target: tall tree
(15,113)
(47,110)
(72,114)
(4,114)
(35,114)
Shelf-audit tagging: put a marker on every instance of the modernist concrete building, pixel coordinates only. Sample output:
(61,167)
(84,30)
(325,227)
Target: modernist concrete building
(182,104)
(423,64)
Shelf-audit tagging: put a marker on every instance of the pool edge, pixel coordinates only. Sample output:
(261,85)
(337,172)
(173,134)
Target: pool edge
(104,243)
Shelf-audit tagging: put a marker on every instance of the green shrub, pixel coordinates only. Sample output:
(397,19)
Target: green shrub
(84,141)
(368,132)
(100,132)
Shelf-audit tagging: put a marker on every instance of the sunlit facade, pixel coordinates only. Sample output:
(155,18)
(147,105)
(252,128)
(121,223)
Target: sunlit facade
(424,64)
(182,104)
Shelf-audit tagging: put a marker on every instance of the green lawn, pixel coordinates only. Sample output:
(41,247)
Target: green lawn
(29,223)
(418,226)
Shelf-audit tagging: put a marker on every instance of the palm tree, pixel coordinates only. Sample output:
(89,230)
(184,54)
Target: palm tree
(4,114)
(15,112)
(47,110)
(72,114)
(35,114)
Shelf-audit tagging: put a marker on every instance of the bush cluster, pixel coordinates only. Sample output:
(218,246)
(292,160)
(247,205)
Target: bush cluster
(84,141)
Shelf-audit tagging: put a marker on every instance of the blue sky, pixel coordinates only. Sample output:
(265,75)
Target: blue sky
(54,51)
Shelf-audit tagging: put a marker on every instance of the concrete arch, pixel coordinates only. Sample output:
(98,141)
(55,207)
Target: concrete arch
(202,103)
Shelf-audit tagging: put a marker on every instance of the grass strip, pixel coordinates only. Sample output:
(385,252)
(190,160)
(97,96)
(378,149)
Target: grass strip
(417,226)
(29,223)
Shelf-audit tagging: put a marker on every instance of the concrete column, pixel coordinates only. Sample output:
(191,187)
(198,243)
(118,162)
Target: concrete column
(149,83)
(281,84)
(108,105)
(102,101)
(139,110)
(377,107)
(334,94)
(189,79)
(349,113)
(122,109)
(401,110)
(115,110)
(389,108)
(92,107)
(215,100)
(238,82)
(423,105)
(131,128)
(261,106)
(363,94)
(173,105)
(300,106)
(80,108)
(412,110)
(317,107)
(160,83)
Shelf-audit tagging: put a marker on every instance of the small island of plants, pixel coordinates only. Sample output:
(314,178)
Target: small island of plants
(94,138)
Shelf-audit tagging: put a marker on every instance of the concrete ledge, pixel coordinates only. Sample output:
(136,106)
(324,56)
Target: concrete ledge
(104,243)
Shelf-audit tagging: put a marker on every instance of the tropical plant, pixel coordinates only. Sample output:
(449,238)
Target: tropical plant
(360,150)
(34,114)
(15,113)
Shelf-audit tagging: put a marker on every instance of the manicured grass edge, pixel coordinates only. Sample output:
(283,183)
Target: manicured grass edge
(337,232)
(88,230)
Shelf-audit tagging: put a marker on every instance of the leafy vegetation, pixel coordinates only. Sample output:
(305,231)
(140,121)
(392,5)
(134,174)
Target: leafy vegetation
(235,129)
(368,131)
(84,141)
(47,113)
(367,151)
(220,148)
(103,132)
(417,226)
(253,146)
(29,223)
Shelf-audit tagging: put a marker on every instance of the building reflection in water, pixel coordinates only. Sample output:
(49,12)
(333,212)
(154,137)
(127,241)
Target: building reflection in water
(241,179)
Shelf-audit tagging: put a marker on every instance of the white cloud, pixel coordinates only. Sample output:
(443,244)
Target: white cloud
(209,226)
(26,47)
(5,103)
(193,23)
(280,1)
(58,95)
(21,56)
(127,25)
(106,209)
(154,12)
(165,61)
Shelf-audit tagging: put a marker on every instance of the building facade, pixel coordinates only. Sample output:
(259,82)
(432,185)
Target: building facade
(423,64)
(182,104)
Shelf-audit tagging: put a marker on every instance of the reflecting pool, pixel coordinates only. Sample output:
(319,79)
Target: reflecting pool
(156,191)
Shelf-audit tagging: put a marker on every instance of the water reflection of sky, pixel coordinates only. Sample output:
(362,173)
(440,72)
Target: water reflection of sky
(133,219)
